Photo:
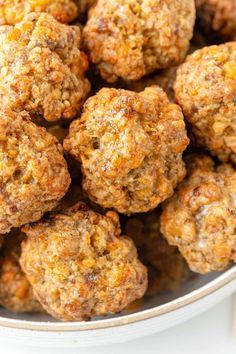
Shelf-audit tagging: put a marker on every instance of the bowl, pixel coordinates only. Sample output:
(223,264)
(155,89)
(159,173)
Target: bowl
(152,314)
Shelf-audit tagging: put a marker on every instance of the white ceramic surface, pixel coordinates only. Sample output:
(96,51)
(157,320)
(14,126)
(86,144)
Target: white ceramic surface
(154,314)
(207,333)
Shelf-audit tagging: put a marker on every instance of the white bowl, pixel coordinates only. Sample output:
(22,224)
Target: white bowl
(153,315)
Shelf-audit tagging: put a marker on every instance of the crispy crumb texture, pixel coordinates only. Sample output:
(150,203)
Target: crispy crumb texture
(13,11)
(205,88)
(80,266)
(200,218)
(33,171)
(130,38)
(42,68)
(130,145)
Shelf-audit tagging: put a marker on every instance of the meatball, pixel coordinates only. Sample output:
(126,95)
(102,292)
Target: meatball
(13,11)
(16,293)
(130,38)
(33,171)
(201,217)
(130,145)
(167,269)
(205,88)
(165,79)
(217,18)
(80,266)
(42,68)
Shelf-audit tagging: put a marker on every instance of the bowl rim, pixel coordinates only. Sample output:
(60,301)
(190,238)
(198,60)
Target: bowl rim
(193,296)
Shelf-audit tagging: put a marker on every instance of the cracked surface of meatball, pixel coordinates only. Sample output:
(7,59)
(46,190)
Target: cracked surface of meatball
(217,18)
(33,171)
(130,38)
(16,293)
(130,145)
(200,218)
(80,266)
(205,88)
(167,269)
(13,11)
(42,68)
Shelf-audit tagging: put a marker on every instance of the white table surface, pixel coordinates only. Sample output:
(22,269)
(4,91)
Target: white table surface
(209,333)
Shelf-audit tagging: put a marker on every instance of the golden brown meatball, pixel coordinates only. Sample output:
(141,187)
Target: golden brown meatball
(16,293)
(166,267)
(201,217)
(164,78)
(130,38)
(205,88)
(42,68)
(217,18)
(13,11)
(33,172)
(80,266)
(130,145)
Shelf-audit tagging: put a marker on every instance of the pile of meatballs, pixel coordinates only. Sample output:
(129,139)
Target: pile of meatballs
(117,150)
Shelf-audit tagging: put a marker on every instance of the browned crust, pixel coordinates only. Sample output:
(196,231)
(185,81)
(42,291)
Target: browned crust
(13,11)
(42,68)
(34,175)
(130,39)
(130,145)
(205,89)
(200,218)
(80,266)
